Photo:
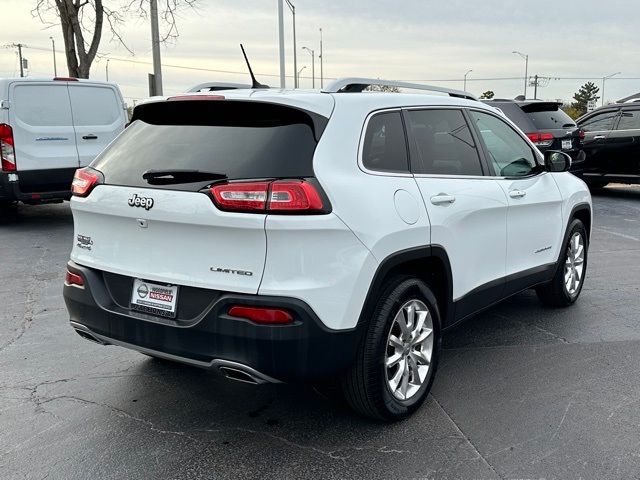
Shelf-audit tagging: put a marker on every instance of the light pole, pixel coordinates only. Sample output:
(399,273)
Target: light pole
(603,80)
(53,50)
(321,60)
(292,7)
(526,70)
(155,46)
(281,42)
(465,79)
(313,66)
(106,69)
(298,75)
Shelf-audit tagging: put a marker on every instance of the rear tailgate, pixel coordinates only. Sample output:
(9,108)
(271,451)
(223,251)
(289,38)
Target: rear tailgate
(548,118)
(168,229)
(183,239)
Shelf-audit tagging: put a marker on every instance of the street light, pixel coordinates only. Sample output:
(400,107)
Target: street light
(313,66)
(321,57)
(53,50)
(298,75)
(526,70)
(292,7)
(603,79)
(106,69)
(465,79)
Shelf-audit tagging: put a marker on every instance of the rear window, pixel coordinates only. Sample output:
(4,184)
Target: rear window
(42,105)
(241,140)
(94,105)
(548,116)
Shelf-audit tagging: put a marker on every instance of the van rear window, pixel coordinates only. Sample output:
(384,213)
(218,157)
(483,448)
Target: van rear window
(240,140)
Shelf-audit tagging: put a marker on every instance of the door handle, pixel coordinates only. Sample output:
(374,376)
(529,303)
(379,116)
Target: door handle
(599,137)
(517,193)
(442,199)
(91,136)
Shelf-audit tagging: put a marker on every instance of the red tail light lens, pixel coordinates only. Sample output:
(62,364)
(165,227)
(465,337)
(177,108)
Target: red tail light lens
(83,182)
(71,278)
(280,196)
(262,315)
(241,197)
(581,134)
(7,150)
(541,139)
(287,196)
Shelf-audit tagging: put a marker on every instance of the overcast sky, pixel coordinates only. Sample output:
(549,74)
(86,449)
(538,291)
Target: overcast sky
(426,40)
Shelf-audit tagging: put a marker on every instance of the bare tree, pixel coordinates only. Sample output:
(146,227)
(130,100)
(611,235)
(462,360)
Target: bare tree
(82,23)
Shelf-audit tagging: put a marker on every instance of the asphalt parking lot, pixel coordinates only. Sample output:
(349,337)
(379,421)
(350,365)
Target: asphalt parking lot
(522,392)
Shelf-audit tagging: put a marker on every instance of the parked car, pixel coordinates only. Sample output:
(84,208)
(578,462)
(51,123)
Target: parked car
(612,144)
(547,126)
(299,236)
(49,128)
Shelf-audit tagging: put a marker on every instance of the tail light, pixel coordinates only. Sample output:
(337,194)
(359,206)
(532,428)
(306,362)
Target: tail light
(74,279)
(541,139)
(280,196)
(7,150)
(83,182)
(262,315)
(581,134)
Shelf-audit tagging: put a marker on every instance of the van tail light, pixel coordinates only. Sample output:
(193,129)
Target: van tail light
(262,315)
(581,134)
(541,139)
(84,181)
(74,279)
(7,149)
(279,196)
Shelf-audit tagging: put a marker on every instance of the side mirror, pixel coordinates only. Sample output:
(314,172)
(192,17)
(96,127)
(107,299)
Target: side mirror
(555,161)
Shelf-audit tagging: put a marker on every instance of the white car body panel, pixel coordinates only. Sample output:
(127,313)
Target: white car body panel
(318,259)
(184,237)
(472,229)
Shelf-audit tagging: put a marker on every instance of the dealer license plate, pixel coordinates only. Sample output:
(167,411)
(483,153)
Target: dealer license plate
(154,299)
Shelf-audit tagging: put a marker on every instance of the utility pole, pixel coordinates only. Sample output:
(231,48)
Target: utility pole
(155,44)
(313,65)
(106,68)
(321,59)
(19,47)
(535,87)
(53,50)
(281,42)
(292,7)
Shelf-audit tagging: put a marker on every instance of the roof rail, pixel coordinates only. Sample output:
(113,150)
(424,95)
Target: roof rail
(356,84)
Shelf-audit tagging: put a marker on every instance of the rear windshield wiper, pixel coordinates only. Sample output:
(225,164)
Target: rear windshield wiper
(168,177)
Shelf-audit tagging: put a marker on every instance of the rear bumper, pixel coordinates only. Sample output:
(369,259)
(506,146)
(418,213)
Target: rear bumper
(36,186)
(302,351)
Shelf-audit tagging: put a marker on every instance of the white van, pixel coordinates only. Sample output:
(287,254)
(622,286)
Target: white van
(48,129)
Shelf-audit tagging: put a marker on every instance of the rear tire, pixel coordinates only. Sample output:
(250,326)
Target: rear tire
(398,354)
(568,280)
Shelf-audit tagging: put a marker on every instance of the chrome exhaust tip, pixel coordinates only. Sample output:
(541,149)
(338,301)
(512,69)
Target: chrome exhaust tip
(86,334)
(239,375)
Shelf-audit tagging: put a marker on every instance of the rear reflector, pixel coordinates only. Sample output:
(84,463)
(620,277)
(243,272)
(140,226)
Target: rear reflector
(71,278)
(7,149)
(196,97)
(262,315)
(83,182)
(280,196)
(541,139)
(65,79)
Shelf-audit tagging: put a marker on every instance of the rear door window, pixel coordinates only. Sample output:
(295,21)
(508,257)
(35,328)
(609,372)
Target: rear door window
(94,105)
(629,120)
(443,143)
(238,140)
(385,146)
(600,122)
(42,105)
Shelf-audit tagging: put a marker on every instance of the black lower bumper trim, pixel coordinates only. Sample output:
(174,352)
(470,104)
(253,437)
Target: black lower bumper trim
(301,351)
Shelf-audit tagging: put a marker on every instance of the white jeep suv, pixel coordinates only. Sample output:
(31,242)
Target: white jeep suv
(280,235)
